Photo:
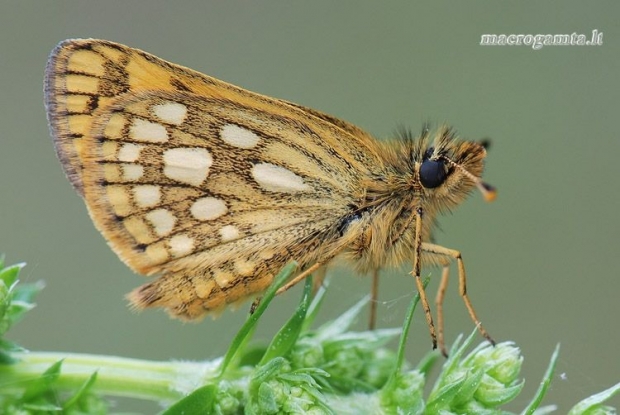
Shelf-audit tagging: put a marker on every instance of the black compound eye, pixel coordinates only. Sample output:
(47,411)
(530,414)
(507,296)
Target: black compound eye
(432,173)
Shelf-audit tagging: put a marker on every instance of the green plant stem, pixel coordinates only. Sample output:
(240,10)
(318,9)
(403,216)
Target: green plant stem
(116,376)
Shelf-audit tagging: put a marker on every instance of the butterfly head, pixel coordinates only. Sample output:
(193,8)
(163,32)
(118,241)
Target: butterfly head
(448,168)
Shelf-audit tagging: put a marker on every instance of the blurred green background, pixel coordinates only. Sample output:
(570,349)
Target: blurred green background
(542,260)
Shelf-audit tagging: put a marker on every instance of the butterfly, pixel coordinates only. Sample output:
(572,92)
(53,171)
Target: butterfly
(215,188)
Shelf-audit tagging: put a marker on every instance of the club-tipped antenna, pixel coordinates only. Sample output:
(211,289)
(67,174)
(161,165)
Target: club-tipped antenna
(489,193)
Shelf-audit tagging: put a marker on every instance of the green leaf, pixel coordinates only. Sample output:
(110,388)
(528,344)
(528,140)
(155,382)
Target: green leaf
(442,398)
(6,358)
(267,398)
(267,371)
(427,363)
(468,388)
(315,305)
(399,389)
(595,401)
(347,385)
(81,392)
(27,292)
(299,377)
(402,345)
(9,274)
(248,327)
(38,386)
(8,282)
(544,410)
(404,395)
(544,384)
(500,395)
(300,371)
(341,324)
(16,311)
(453,379)
(15,299)
(365,340)
(6,347)
(200,401)
(287,336)
(456,353)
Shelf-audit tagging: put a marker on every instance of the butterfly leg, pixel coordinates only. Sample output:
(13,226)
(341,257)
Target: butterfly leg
(418,280)
(374,295)
(302,276)
(454,254)
(316,284)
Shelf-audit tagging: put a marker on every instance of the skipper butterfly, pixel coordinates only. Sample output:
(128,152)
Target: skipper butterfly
(216,188)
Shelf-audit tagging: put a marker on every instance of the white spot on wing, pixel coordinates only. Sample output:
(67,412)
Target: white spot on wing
(152,132)
(181,245)
(278,179)
(162,220)
(147,195)
(208,208)
(245,268)
(238,136)
(222,278)
(187,165)
(132,171)
(229,233)
(170,112)
(129,152)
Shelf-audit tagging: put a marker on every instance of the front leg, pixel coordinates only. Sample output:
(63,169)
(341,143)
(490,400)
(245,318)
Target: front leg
(439,250)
